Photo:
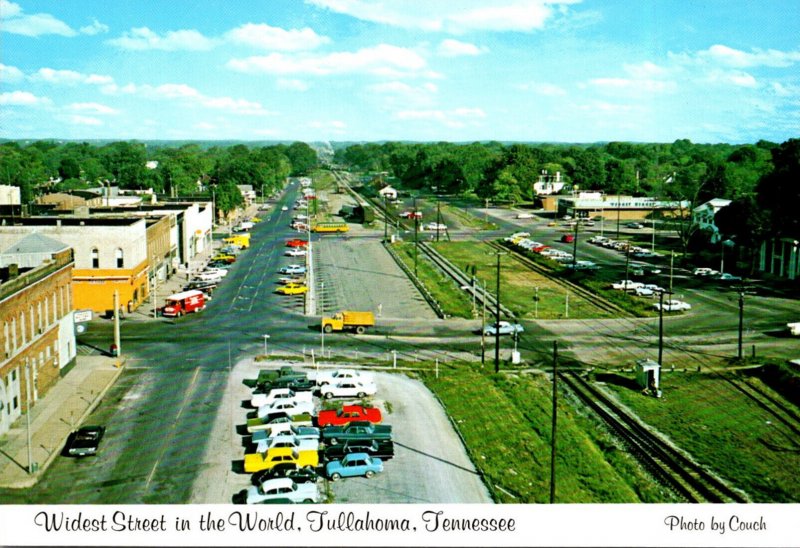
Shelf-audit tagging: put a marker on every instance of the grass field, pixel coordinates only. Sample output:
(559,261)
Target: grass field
(724,429)
(506,424)
(518,284)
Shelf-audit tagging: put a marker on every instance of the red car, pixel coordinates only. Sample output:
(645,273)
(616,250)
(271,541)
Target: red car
(347,414)
(296,243)
(568,238)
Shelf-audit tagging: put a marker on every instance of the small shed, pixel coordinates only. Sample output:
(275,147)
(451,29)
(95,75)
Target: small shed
(388,192)
(648,376)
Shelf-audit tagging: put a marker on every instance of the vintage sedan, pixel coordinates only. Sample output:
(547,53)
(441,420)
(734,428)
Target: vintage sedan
(84,441)
(354,464)
(292,289)
(504,328)
(296,242)
(673,306)
(348,414)
(382,449)
(291,471)
(282,488)
(357,430)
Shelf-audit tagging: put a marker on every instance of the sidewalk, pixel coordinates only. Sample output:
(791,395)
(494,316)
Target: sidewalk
(52,418)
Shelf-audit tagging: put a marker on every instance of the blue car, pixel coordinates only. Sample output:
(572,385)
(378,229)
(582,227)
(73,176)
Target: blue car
(354,464)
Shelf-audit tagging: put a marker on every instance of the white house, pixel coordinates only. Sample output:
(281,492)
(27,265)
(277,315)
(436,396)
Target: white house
(388,192)
(704,214)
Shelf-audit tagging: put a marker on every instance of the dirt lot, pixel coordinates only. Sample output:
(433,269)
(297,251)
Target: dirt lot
(430,464)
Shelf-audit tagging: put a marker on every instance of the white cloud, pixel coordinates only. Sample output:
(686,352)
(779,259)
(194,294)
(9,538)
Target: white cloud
(456,48)
(80,120)
(645,69)
(734,77)
(38,24)
(401,88)
(9,9)
(543,88)
(204,126)
(383,59)
(23,98)
(292,84)
(96,108)
(634,85)
(69,77)
(274,38)
(143,38)
(788,90)
(95,28)
(190,96)
(731,57)
(10,74)
(456,17)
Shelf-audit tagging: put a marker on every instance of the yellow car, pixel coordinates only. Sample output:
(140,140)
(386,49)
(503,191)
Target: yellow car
(255,462)
(224,257)
(552,223)
(255,220)
(292,289)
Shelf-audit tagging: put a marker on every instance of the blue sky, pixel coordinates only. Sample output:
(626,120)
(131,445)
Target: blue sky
(460,70)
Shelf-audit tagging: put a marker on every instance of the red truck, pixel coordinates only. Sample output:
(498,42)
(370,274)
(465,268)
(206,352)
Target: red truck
(183,303)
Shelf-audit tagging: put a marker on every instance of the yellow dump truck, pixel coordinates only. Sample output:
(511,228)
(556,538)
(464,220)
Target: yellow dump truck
(330,227)
(242,240)
(348,320)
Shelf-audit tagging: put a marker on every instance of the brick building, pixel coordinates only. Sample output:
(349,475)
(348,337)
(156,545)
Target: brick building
(37,332)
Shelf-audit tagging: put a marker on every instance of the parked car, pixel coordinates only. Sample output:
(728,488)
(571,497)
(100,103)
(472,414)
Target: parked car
(411,214)
(295,252)
(298,384)
(292,289)
(296,242)
(282,488)
(84,441)
(725,277)
(221,272)
(634,225)
(348,414)
(673,306)
(524,215)
(505,328)
(286,429)
(354,464)
(382,449)
(654,288)
(279,417)
(291,471)
(286,441)
(704,272)
(284,208)
(643,291)
(293,269)
(255,462)
(356,430)
(568,238)
(292,407)
(794,328)
(339,375)
(626,285)
(348,389)
(435,226)
(278,394)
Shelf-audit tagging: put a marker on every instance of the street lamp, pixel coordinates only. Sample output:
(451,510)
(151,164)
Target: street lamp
(265,343)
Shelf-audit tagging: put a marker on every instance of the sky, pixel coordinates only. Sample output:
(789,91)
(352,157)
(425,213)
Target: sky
(420,70)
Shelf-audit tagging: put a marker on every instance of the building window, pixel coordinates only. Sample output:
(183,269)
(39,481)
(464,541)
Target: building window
(55,305)
(23,332)
(14,334)
(40,317)
(95,258)
(7,338)
(46,311)
(119,257)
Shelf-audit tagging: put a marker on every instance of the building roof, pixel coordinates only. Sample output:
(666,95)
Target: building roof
(715,203)
(35,243)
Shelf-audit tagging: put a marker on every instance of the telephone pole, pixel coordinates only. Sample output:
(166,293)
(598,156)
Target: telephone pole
(416,229)
(555,422)
(498,254)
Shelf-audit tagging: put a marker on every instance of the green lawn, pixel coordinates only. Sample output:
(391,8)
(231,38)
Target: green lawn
(724,429)
(506,423)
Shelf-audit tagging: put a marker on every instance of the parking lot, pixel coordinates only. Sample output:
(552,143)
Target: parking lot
(430,464)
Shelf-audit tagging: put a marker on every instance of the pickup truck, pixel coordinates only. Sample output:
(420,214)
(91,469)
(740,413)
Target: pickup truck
(272,374)
(348,389)
(270,421)
(292,442)
(278,394)
(298,384)
(357,430)
(383,449)
(288,407)
(255,462)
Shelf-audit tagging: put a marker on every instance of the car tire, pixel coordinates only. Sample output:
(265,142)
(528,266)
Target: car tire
(328,395)
(327,329)
(360,329)
(308,501)
(334,441)
(369,473)
(336,476)
(362,395)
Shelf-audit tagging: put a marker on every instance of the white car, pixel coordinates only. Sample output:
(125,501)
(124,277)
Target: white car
(292,442)
(293,269)
(331,377)
(504,328)
(284,208)
(296,252)
(282,488)
(244,226)
(348,389)
(279,394)
(286,429)
(208,276)
(524,215)
(643,291)
(702,271)
(673,306)
(435,226)
(221,272)
(290,407)
(794,328)
(627,285)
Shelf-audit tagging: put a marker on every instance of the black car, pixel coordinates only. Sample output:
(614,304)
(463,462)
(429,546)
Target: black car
(206,287)
(383,449)
(286,470)
(84,441)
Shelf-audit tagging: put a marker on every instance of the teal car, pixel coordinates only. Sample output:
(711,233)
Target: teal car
(354,464)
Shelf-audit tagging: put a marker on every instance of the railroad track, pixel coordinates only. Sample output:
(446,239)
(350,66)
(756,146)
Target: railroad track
(668,465)
(576,289)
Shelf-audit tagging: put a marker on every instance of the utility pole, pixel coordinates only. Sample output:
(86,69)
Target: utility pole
(618,211)
(483,327)
(385,218)
(438,218)
(117,342)
(671,262)
(653,244)
(155,295)
(575,247)
(555,422)
(497,316)
(660,326)
(741,321)
(416,229)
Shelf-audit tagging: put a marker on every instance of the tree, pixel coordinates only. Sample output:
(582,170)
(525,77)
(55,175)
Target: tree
(302,157)
(779,190)
(126,163)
